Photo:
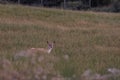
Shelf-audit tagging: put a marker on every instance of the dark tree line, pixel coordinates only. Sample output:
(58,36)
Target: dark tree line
(58,2)
(110,5)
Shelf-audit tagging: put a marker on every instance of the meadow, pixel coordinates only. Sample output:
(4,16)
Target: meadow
(83,40)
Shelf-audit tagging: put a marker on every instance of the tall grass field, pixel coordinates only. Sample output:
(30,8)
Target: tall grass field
(83,41)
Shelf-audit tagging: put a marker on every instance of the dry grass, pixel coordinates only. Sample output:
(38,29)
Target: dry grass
(84,40)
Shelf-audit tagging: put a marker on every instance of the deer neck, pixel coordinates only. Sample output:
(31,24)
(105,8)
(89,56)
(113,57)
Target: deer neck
(49,50)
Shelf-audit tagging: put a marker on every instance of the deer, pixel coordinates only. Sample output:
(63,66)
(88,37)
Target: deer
(44,50)
(32,51)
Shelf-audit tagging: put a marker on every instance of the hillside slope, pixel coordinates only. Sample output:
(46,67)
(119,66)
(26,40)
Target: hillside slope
(84,40)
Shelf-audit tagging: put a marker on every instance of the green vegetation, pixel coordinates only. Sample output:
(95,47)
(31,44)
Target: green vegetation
(90,40)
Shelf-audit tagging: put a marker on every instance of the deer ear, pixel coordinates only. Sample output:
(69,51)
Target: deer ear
(53,41)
